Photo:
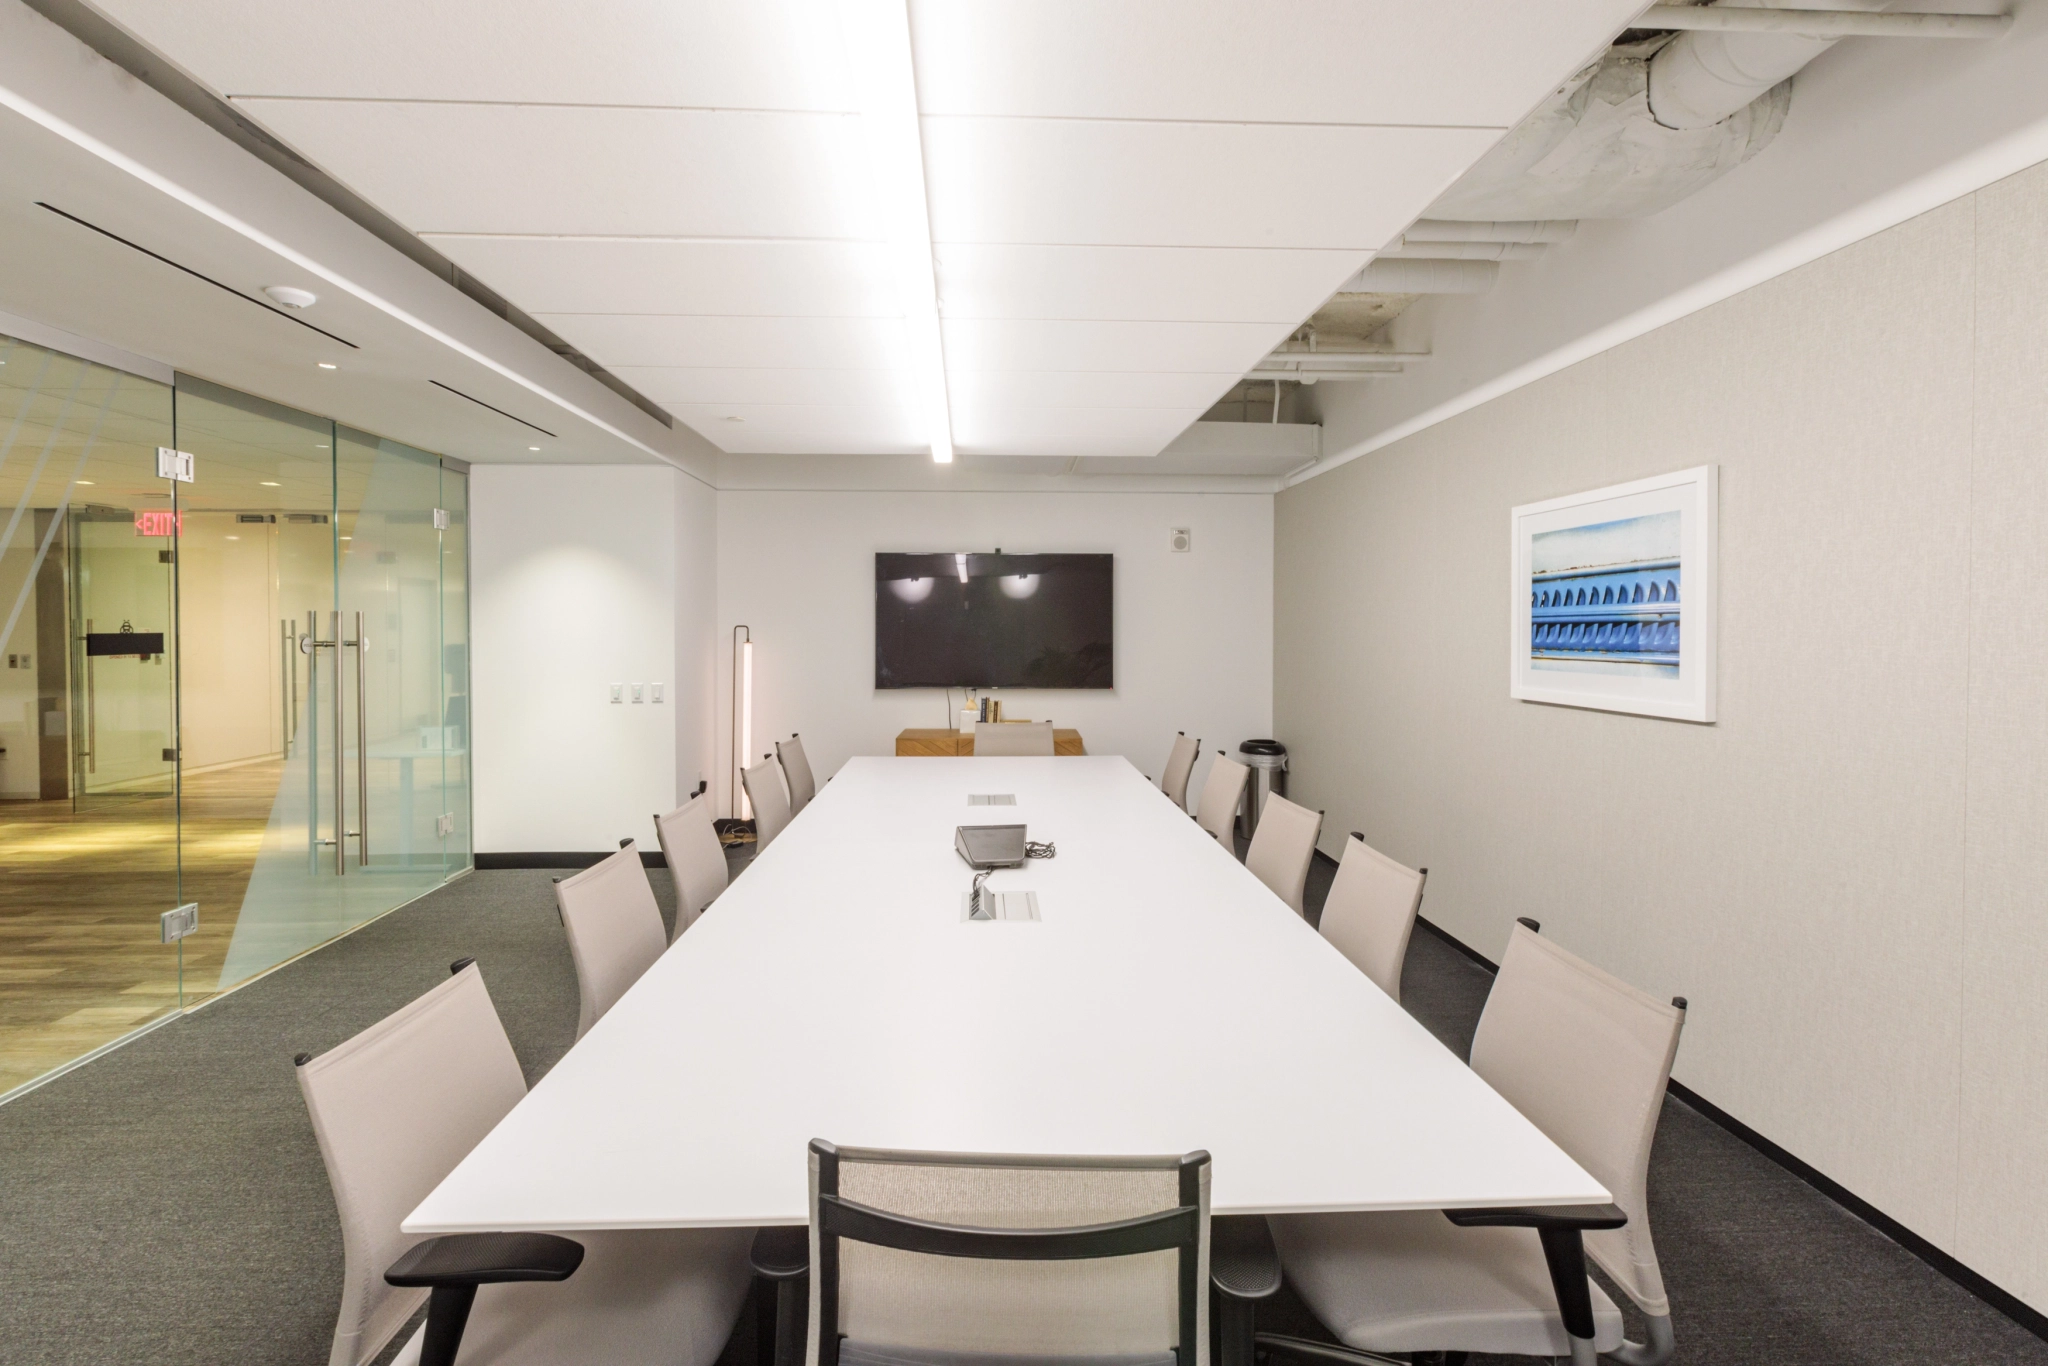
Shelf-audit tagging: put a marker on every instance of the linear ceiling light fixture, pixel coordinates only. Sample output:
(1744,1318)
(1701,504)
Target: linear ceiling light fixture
(879,65)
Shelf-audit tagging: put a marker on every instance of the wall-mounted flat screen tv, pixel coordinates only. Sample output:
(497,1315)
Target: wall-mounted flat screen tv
(994,621)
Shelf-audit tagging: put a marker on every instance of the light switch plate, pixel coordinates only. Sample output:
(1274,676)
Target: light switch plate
(639,692)
(658,687)
(618,693)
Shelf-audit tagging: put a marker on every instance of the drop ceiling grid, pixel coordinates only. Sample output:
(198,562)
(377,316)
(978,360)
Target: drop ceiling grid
(1131,203)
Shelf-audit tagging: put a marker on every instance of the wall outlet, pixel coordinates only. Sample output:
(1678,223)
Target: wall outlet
(639,693)
(180,922)
(618,693)
(1183,540)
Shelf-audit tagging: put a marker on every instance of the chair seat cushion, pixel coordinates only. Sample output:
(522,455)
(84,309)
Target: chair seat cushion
(1412,1281)
(641,1297)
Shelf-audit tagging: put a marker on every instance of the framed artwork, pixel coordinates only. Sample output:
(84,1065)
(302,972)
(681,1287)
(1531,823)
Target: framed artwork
(1613,602)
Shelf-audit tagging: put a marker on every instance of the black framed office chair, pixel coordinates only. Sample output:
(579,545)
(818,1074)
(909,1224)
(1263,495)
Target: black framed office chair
(930,1257)
(614,927)
(796,772)
(1585,1056)
(770,801)
(695,858)
(394,1109)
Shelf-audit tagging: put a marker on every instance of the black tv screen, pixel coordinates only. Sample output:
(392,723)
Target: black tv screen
(994,621)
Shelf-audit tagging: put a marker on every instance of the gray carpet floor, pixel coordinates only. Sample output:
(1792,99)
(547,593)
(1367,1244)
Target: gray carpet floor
(166,1204)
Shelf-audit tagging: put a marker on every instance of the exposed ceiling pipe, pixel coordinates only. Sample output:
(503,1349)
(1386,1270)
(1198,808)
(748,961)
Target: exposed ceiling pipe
(1701,77)
(1408,249)
(1449,230)
(1392,276)
(1820,23)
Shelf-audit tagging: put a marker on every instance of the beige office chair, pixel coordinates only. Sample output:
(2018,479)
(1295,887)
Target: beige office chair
(796,771)
(1282,848)
(936,1257)
(614,928)
(1180,762)
(765,794)
(1586,1057)
(696,860)
(1216,812)
(1370,912)
(395,1109)
(1031,739)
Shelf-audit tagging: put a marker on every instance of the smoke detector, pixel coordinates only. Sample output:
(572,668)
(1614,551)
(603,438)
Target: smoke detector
(291,296)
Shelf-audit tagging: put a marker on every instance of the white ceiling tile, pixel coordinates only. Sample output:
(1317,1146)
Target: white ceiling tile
(878,418)
(1186,184)
(764,54)
(970,389)
(611,275)
(1157,284)
(616,340)
(673,385)
(627,172)
(1026,344)
(1470,62)
(1031,430)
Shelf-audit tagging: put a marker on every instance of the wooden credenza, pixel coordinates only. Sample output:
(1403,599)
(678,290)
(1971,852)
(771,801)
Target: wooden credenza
(954,744)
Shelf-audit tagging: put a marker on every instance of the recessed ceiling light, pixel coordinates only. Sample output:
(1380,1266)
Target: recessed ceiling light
(269,483)
(328,365)
(348,538)
(734,417)
(291,296)
(81,481)
(533,448)
(876,34)
(234,538)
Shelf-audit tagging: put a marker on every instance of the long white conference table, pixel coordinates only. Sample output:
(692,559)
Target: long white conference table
(1164,1001)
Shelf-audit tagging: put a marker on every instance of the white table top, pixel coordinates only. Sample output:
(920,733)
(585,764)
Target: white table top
(1166,1001)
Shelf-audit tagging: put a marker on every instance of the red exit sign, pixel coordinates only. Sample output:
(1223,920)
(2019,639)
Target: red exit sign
(160,523)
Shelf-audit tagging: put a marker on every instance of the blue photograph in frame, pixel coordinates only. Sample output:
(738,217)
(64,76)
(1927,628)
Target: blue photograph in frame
(1613,603)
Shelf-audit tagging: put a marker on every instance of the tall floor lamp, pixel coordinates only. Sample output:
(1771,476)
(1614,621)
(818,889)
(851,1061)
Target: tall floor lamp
(742,716)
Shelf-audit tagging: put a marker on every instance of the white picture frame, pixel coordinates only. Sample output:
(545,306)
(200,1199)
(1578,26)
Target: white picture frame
(1644,553)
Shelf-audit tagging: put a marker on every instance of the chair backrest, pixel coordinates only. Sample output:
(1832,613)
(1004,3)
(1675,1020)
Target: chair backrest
(1179,764)
(880,1275)
(1370,912)
(1032,739)
(614,927)
(796,771)
(1283,847)
(1221,793)
(764,793)
(394,1109)
(696,860)
(1585,1056)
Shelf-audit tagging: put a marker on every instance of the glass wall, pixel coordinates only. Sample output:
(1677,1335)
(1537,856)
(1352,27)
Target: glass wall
(248,691)
(88,714)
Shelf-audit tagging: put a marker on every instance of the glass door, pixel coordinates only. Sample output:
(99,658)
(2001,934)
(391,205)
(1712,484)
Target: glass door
(88,710)
(393,526)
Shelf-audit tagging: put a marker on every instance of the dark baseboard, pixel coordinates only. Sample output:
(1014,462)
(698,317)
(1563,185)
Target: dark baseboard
(548,859)
(2004,1301)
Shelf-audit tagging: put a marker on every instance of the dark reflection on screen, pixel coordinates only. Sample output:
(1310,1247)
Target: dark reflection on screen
(994,621)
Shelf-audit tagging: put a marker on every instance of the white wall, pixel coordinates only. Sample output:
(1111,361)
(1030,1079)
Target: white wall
(1194,642)
(696,598)
(1846,873)
(575,580)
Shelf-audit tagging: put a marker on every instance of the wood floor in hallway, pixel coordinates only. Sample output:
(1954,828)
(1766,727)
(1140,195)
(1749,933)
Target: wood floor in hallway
(81,958)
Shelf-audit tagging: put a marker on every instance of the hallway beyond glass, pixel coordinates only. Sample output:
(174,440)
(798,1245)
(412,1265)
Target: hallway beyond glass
(170,726)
